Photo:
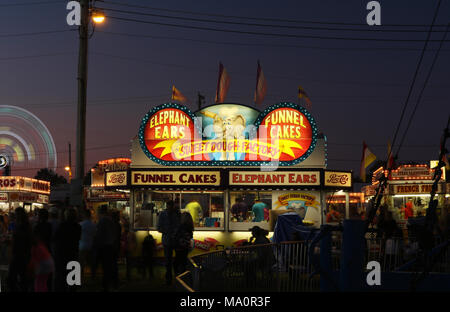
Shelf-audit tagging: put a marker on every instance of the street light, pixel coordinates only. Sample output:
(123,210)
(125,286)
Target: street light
(67,168)
(97,16)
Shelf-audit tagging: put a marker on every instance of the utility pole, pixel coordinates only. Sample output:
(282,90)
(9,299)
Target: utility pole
(70,156)
(77,183)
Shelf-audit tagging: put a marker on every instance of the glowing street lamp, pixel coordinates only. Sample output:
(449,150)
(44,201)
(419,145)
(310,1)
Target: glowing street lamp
(67,168)
(98,17)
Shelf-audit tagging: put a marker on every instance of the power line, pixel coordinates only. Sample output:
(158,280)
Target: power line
(35,33)
(375,49)
(267,25)
(414,78)
(31,3)
(258,18)
(265,34)
(422,90)
(34,56)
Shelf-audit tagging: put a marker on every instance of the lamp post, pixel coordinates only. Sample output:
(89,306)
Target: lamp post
(67,168)
(77,183)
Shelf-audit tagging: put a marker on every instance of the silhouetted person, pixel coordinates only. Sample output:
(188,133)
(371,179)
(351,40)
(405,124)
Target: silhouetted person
(67,239)
(184,236)
(104,242)
(42,263)
(115,216)
(20,253)
(148,252)
(43,228)
(87,240)
(168,223)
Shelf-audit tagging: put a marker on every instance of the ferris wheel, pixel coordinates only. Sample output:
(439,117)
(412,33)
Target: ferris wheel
(25,142)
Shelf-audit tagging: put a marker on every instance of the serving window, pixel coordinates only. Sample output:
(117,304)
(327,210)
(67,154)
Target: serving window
(205,207)
(249,208)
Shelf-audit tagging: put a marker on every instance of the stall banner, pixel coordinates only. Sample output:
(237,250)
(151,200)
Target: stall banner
(412,172)
(42,199)
(414,188)
(4,197)
(11,183)
(175,178)
(104,195)
(305,203)
(228,134)
(24,197)
(112,164)
(116,178)
(338,179)
(274,178)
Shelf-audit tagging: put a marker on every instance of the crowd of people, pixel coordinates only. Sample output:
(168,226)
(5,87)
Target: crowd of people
(37,246)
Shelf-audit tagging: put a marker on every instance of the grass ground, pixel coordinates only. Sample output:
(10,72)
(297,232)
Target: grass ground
(137,282)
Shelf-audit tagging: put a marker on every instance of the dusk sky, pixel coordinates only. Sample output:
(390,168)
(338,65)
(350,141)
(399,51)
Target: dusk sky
(357,86)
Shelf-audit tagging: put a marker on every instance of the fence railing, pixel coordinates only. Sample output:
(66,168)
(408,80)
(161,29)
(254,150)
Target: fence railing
(289,266)
(269,267)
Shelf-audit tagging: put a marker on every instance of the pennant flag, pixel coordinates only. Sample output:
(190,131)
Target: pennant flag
(390,160)
(261,86)
(367,158)
(223,84)
(178,96)
(302,95)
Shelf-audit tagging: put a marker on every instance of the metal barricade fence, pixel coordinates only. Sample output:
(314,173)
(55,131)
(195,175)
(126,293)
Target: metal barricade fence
(288,266)
(270,267)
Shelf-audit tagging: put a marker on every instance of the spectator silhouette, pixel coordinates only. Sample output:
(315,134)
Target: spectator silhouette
(183,242)
(86,240)
(129,248)
(42,263)
(104,242)
(67,238)
(148,252)
(168,223)
(43,228)
(115,216)
(20,253)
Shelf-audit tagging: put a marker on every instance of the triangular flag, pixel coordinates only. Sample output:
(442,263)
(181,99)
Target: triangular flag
(302,95)
(178,96)
(261,86)
(223,83)
(367,158)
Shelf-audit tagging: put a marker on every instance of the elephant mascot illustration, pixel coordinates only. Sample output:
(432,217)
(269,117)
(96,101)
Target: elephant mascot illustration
(228,129)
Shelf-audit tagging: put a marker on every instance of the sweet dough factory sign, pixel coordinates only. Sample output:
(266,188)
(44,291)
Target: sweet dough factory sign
(228,134)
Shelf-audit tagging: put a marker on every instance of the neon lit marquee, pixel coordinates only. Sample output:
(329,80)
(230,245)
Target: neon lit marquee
(228,134)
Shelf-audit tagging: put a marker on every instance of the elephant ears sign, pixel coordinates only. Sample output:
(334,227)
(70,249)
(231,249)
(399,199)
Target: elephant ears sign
(228,134)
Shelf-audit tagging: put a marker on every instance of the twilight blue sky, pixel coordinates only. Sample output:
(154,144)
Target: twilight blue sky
(357,87)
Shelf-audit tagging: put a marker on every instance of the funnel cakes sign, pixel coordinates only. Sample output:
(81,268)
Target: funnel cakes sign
(228,134)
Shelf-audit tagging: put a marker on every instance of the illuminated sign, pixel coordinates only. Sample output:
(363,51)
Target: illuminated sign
(175,178)
(338,179)
(4,197)
(412,172)
(228,134)
(24,184)
(113,164)
(414,188)
(104,195)
(116,178)
(274,178)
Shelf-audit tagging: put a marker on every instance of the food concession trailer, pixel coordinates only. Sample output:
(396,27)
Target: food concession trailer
(231,166)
